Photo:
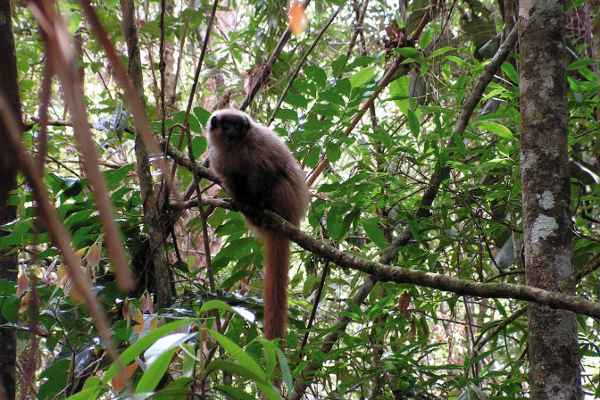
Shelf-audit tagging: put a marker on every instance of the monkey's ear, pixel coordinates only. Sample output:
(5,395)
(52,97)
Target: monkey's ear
(247,123)
(213,122)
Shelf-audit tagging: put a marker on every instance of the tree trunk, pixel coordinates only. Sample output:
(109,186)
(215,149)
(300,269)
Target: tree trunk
(553,356)
(169,58)
(161,281)
(8,182)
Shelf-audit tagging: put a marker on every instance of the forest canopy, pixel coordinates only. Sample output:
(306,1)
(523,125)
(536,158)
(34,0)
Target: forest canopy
(451,153)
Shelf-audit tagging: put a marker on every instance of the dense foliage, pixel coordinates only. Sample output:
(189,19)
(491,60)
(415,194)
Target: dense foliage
(403,341)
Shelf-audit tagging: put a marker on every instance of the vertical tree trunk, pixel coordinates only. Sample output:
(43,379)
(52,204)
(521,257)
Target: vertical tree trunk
(553,356)
(163,283)
(8,181)
(169,58)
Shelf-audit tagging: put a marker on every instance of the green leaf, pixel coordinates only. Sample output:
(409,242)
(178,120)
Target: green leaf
(233,227)
(90,391)
(142,344)
(179,117)
(239,354)
(497,129)
(374,232)
(332,96)
(194,124)
(199,145)
(336,224)
(177,390)
(235,393)
(343,87)
(317,74)
(337,66)
(399,90)
(153,375)
(188,365)
(510,71)
(441,51)
(286,373)
(285,114)
(413,123)
(455,59)
(408,52)
(268,390)
(214,305)
(362,61)
(7,287)
(269,352)
(425,39)
(312,158)
(235,250)
(233,368)
(92,382)
(202,115)
(56,378)
(581,63)
(166,343)
(10,308)
(86,394)
(362,77)
(296,100)
(114,177)
(333,152)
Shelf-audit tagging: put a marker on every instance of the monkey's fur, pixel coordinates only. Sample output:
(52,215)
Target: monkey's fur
(258,169)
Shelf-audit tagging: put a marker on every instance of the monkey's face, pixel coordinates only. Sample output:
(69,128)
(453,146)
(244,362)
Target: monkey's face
(228,126)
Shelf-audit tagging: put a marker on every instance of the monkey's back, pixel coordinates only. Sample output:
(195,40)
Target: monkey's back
(261,171)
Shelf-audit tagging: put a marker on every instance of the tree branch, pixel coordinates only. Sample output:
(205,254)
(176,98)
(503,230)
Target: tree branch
(181,159)
(388,273)
(268,66)
(301,64)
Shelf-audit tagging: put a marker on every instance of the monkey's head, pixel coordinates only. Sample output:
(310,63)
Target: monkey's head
(228,126)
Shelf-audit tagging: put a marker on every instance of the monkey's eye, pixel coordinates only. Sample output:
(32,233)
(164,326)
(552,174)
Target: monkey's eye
(214,122)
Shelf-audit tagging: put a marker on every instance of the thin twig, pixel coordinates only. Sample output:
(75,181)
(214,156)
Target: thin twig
(190,102)
(268,66)
(178,68)
(66,67)
(135,103)
(59,234)
(211,20)
(161,68)
(389,75)
(301,63)
(45,92)
(358,29)
(313,312)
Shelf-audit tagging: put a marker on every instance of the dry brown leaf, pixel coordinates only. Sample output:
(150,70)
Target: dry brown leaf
(22,283)
(93,255)
(297,18)
(118,382)
(146,303)
(404,303)
(24,303)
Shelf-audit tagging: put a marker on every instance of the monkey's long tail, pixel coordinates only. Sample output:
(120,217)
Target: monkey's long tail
(277,258)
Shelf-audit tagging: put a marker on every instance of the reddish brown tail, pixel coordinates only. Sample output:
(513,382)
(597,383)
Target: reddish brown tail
(277,258)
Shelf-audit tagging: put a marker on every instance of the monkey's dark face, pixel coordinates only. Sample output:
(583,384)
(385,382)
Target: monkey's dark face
(229,126)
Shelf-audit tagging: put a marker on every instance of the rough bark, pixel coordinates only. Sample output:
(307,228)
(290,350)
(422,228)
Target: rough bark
(552,348)
(8,182)
(169,58)
(163,283)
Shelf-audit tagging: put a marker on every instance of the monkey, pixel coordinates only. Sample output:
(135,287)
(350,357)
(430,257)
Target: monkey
(257,169)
